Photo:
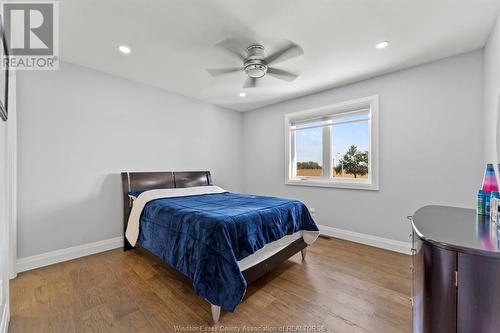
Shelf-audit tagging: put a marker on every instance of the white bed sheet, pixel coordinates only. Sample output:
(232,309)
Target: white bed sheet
(268,250)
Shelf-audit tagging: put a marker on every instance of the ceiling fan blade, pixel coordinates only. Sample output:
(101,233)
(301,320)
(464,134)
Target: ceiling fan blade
(288,51)
(233,47)
(222,71)
(251,82)
(282,74)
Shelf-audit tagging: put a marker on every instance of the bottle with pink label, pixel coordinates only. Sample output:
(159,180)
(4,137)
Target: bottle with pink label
(490,185)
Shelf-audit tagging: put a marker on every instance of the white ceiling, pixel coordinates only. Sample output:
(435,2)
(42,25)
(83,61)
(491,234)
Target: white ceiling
(172,40)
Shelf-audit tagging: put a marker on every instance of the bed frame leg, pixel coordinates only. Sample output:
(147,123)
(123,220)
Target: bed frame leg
(215,313)
(303,252)
(126,245)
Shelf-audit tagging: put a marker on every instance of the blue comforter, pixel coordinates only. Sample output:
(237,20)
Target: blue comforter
(203,236)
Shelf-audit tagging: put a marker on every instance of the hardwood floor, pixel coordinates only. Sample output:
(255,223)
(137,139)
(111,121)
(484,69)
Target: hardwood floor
(341,287)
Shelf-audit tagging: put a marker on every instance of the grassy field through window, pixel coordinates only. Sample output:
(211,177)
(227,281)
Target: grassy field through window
(318,173)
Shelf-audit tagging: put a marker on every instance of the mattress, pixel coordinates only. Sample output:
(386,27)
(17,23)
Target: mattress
(268,251)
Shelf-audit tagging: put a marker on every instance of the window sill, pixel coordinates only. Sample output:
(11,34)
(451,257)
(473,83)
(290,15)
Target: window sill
(336,184)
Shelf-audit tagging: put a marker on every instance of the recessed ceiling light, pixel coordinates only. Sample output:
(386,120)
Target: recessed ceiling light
(124,49)
(382,45)
(242,94)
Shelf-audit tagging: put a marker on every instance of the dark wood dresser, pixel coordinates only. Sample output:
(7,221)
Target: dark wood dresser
(456,271)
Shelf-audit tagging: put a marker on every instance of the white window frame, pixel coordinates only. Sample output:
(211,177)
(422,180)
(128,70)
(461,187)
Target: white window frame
(372,183)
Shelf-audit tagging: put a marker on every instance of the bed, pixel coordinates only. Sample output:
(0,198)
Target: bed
(220,240)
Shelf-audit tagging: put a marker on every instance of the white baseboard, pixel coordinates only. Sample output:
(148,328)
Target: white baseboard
(4,324)
(384,243)
(53,257)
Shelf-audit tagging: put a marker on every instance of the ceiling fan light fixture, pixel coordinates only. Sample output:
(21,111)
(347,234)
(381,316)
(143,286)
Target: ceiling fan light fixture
(256,70)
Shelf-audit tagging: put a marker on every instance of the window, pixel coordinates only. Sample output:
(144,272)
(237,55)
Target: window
(309,151)
(335,146)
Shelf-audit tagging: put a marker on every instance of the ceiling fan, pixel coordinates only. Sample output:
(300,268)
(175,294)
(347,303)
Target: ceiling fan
(255,63)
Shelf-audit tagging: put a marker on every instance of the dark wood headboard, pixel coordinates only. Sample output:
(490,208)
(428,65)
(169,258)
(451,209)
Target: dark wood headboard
(133,181)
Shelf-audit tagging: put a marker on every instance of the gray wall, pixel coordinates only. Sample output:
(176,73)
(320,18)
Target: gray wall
(491,92)
(430,147)
(79,128)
